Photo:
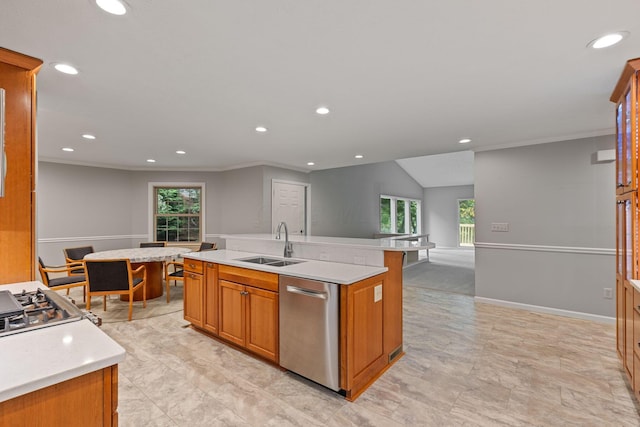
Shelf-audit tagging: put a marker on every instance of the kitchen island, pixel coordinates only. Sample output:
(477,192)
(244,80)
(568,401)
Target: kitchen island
(237,301)
(61,375)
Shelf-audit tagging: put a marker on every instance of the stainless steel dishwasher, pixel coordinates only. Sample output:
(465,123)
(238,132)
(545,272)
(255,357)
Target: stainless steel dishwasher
(309,330)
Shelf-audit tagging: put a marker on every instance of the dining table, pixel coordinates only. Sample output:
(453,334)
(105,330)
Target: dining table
(153,260)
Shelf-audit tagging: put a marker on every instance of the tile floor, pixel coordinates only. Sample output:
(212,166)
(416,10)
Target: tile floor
(466,364)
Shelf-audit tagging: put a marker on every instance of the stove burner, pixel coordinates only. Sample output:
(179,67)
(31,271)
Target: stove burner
(40,308)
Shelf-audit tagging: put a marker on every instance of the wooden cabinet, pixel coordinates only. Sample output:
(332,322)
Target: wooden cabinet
(211,298)
(362,344)
(87,400)
(194,292)
(626,96)
(17,207)
(248,310)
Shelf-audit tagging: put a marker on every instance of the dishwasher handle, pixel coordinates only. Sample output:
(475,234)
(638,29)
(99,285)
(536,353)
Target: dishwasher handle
(306,292)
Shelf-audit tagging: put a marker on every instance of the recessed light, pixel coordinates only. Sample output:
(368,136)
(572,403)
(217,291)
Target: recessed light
(150,161)
(88,136)
(115,7)
(322,110)
(261,129)
(181,152)
(464,140)
(310,163)
(66,68)
(67,149)
(608,40)
(359,156)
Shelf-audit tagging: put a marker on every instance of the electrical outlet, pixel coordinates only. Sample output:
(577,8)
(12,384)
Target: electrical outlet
(608,293)
(377,293)
(500,226)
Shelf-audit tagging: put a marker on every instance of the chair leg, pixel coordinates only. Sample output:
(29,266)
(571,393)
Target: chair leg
(168,282)
(144,294)
(130,305)
(89,303)
(104,302)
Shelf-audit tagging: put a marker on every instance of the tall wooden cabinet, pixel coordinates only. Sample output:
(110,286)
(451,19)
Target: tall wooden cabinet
(626,96)
(17,207)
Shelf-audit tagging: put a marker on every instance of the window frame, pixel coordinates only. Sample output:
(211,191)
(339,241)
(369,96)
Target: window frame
(151,229)
(407,214)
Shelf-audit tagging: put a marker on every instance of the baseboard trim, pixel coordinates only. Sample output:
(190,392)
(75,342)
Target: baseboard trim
(548,310)
(543,248)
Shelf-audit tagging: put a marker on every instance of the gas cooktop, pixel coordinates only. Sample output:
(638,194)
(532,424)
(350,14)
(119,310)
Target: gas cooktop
(41,308)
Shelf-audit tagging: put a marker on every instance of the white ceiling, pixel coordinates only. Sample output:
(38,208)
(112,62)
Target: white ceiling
(440,170)
(403,78)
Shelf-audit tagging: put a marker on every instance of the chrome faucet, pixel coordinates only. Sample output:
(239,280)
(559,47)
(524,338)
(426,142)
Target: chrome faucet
(288,247)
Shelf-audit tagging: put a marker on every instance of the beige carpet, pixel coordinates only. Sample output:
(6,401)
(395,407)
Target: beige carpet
(448,270)
(117,311)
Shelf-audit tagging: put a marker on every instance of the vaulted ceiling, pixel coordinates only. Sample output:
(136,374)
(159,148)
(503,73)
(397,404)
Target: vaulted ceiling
(401,78)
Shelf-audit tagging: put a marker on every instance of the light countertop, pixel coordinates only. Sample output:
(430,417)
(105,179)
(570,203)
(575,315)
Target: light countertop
(385,244)
(35,359)
(334,272)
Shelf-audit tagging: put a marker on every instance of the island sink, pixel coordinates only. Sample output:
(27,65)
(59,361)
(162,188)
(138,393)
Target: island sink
(273,262)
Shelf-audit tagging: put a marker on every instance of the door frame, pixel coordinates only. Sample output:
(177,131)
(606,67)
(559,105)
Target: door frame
(307,203)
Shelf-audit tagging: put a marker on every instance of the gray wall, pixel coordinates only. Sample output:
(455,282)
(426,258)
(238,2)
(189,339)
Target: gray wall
(440,213)
(345,202)
(109,208)
(560,206)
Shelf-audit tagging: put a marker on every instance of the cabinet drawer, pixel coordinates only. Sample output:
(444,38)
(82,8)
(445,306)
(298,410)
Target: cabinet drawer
(247,276)
(193,266)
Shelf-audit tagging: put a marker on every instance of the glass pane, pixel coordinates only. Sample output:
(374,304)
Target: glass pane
(619,147)
(628,239)
(400,217)
(413,223)
(620,244)
(385,215)
(177,200)
(627,138)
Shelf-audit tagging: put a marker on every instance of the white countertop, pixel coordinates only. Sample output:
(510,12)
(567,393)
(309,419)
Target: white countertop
(39,358)
(334,272)
(385,244)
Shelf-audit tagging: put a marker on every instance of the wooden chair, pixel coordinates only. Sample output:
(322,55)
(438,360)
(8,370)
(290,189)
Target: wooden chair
(115,277)
(153,244)
(64,282)
(178,268)
(75,256)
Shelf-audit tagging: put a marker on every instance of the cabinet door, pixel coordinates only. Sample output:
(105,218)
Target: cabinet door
(193,298)
(628,348)
(211,298)
(232,312)
(361,323)
(262,323)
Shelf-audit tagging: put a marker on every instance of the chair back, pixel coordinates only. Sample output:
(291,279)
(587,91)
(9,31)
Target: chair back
(205,246)
(108,275)
(77,254)
(43,273)
(153,244)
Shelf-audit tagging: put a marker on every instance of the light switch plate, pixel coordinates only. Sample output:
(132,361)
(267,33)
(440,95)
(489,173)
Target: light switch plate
(377,293)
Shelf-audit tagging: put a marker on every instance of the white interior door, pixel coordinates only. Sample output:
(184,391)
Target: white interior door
(288,204)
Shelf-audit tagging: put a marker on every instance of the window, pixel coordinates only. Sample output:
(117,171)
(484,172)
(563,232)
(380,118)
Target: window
(399,215)
(177,214)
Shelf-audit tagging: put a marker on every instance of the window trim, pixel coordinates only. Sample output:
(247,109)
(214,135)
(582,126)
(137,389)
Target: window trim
(151,207)
(407,214)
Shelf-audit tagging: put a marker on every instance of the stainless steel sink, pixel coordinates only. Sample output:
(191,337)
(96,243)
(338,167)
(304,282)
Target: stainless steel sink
(274,262)
(283,263)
